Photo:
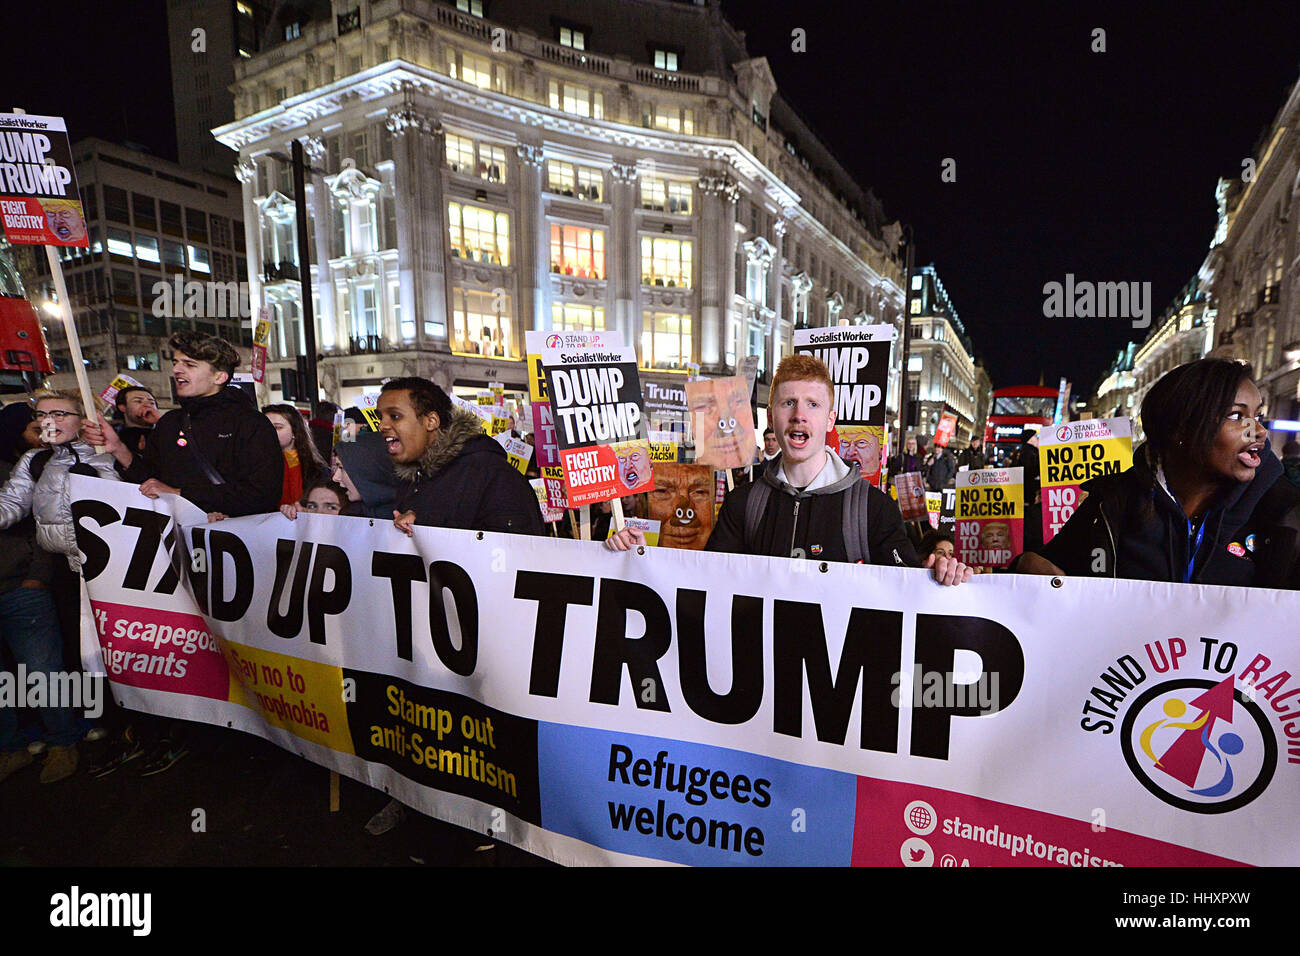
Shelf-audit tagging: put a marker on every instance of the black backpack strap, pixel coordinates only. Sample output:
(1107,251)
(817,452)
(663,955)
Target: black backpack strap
(755,505)
(36,467)
(856,541)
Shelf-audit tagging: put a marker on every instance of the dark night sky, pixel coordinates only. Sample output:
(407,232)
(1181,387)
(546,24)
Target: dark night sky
(1103,165)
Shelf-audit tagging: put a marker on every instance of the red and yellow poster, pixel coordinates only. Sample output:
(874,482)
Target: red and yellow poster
(990,516)
(39,202)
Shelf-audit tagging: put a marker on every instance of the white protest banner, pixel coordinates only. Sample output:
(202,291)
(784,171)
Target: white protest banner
(990,516)
(691,707)
(600,427)
(1070,454)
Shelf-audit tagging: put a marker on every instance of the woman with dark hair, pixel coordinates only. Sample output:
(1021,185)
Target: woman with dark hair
(1206,501)
(303,464)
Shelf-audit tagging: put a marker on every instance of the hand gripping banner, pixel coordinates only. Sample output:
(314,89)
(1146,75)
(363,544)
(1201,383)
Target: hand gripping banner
(686,707)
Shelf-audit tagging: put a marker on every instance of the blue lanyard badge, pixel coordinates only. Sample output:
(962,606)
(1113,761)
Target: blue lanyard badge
(1195,547)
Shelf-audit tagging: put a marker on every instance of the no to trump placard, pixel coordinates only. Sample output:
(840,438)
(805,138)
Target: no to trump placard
(1070,454)
(990,516)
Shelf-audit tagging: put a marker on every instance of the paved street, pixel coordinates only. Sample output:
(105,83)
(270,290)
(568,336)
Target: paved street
(264,807)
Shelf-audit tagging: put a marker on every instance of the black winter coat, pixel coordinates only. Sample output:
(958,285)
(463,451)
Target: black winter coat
(1249,540)
(237,440)
(816,532)
(464,480)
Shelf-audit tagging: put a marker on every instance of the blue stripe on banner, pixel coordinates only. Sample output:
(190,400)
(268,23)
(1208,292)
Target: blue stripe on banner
(692,803)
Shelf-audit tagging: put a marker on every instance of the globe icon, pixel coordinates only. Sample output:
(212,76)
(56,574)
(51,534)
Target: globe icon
(919,818)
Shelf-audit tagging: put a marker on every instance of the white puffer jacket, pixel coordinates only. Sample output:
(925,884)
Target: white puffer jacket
(48,498)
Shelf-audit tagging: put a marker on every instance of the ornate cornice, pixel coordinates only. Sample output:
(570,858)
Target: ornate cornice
(529,154)
(722,186)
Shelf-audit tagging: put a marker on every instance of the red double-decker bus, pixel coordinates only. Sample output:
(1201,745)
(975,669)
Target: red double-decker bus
(1013,409)
(24,356)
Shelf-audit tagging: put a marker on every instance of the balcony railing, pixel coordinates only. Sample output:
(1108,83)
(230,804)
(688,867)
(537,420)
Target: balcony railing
(366,344)
(281,272)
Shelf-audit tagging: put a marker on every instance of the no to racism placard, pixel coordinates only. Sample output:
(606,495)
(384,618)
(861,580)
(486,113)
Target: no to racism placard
(595,395)
(709,709)
(39,202)
(990,516)
(857,358)
(1070,454)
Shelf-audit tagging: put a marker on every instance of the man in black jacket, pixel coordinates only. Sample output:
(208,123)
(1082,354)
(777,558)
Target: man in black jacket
(217,450)
(453,475)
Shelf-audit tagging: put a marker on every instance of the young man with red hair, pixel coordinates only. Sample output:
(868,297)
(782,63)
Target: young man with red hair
(809,503)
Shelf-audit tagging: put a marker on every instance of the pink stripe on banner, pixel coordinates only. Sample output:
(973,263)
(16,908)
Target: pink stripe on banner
(161,650)
(909,825)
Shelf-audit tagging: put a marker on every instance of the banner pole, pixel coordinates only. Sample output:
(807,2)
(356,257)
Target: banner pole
(584,530)
(616,507)
(70,329)
(731,482)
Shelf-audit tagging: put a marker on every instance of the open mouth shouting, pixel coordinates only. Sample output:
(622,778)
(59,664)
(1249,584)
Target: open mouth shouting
(1249,456)
(797,438)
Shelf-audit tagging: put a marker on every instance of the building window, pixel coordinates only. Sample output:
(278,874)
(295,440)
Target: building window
(668,117)
(196,225)
(119,243)
(665,340)
(220,231)
(579,100)
(664,196)
(464,155)
(578,251)
(481,324)
(572,37)
(405,323)
(479,234)
(292,31)
(146,249)
(199,261)
(759,119)
(665,60)
(173,256)
(566,179)
(567,317)
(756,344)
(115,205)
(473,7)
(472,69)
(666,262)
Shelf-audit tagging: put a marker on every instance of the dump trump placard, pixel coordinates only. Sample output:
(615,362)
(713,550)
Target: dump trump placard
(858,360)
(1070,454)
(39,202)
(595,396)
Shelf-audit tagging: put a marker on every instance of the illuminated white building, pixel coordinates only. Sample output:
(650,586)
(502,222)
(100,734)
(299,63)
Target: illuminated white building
(940,368)
(475,178)
(1252,271)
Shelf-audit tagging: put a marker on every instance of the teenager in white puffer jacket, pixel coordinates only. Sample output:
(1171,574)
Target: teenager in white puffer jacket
(47,498)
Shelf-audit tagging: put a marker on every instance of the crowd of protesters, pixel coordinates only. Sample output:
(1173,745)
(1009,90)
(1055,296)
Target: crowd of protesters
(1206,475)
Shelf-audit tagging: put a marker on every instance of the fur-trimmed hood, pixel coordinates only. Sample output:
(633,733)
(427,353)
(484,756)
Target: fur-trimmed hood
(447,446)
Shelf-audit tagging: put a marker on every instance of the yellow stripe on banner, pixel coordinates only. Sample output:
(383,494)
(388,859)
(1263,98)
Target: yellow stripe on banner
(300,696)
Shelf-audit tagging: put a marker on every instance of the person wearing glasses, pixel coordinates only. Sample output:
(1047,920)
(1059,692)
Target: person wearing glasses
(29,621)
